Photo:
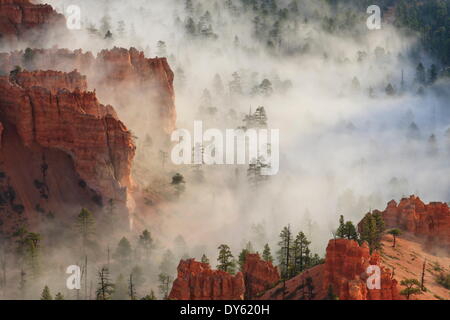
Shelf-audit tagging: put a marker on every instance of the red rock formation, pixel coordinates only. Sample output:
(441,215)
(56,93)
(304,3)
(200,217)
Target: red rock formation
(345,270)
(20,17)
(122,77)
(431,221)
(47,112)
(259,275)
(196,281)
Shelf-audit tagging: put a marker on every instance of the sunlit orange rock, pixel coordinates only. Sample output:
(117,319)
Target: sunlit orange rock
(259,275)
(345,270)
(49,114)
(431,221)
(122,77)
(19,18)
(196,281)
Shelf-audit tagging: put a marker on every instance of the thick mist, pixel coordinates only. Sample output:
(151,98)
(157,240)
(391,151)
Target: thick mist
(346,145)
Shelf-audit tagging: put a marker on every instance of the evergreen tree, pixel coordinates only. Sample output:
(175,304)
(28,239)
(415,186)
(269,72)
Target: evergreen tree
(146,243)
(59,296)
(178,184)
(85,226)
(267,255)
(412,288)
(32,252)
(168,262)
(242,258)
(340,233)
(162,49)
(120,289)
(390,91)
(150,296)
(395,233)
(205,259)
(301,253)
(164,285)
(46,294)
(420,74)
(105,288)
(285,252)
(123,251)
(350,231)
(190,27)
(225,259)
(235,84)
(432,74)
(372,230)
(131,288)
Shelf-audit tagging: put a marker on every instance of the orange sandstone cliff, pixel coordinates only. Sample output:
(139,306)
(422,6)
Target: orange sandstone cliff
(259,275)
(345,270)
(20,18)
(196,281)
(429,221)
(60,147)
(140,88)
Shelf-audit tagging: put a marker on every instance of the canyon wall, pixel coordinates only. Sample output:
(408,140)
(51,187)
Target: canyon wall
(21,19)
(259,275)
(196,281)
(430,221)
(345,268)
(60,145)
(140,88)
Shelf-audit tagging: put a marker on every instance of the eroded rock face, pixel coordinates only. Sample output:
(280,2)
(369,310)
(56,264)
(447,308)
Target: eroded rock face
(196,281)
(47,114)
(431,221)
(19,18)
(122,77)
(259,275)
(345,270)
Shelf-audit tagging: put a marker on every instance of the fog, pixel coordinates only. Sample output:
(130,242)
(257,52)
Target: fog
(346,146)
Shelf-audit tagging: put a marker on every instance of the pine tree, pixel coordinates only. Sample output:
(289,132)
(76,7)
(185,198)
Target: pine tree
(46,294)
(146,243)
(164,285)
(85,226)
(32,252)
(395,233)
(433,73)
(285,252)
(420,74)
(340,233)
(150,296)
(123,251)
(225,259)
(412,288)
(242,258)
(131,288)
(301,253)
(204,259)
(120,289)
(267,255)
(372,230)
(105,288)
(350,231)
(59,296)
